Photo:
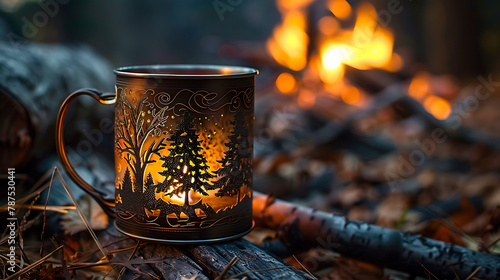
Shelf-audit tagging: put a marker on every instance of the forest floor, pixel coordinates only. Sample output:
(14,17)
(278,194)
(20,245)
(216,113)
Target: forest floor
(387,160)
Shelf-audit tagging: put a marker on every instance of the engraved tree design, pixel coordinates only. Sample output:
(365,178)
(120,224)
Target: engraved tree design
(150,193)
(236,169)
(185,169)
(132,132)
(127,191)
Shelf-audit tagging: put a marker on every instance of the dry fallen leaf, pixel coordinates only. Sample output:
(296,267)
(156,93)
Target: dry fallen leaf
(192,278)
(391,209)
(71,222)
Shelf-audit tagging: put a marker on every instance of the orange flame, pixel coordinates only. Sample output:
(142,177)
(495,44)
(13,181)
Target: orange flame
(366,45)
(340,8)
(288,45)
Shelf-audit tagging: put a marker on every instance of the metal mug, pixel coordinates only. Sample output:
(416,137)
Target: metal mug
(183,152)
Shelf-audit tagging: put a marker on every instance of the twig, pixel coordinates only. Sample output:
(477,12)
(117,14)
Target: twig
(233,261)
(473,273)
(31,194)
(122,250)
(21,249)
(454,272)
(87,265)
(89,254)
(28,224)
(84,219)
(428,271)
(44,211)
(7,259)
(63,261)
(302,226)
(493,243)
(303,267)
(33,265)
(60,209)
(120,275)
(26,215)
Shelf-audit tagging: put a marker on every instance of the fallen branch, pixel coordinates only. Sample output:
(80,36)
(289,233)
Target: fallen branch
(300,226)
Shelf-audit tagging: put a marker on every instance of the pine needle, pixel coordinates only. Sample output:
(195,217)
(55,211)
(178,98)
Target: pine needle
(45,210)
(428,271)
(7,259)
(80,213)
(58,209)
(33,265)
(233,261)
(64,266)
(303,267)
(120,275)
(473,273)
(493,243)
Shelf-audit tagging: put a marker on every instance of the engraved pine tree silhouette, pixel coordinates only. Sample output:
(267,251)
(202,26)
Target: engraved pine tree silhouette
(127,192)
(185,169)
(132,133)
(236,169)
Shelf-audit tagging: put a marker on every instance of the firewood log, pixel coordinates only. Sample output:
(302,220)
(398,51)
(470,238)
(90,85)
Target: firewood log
(304,227)
(34,80)
(207,261)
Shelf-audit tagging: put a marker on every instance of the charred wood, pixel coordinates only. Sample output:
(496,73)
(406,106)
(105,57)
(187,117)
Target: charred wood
(304,227)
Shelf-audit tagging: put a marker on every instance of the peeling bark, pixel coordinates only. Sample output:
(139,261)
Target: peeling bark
(305,227)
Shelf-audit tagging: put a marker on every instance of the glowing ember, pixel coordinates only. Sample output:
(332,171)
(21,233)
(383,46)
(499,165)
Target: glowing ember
(437,106)
(286,83)
(420,89)
(351,95)
(419,86)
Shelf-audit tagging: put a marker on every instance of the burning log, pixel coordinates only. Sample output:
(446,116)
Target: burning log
(34,80)
(391,248)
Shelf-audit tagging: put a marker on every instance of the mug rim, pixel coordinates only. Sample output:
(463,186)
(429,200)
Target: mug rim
(217,71)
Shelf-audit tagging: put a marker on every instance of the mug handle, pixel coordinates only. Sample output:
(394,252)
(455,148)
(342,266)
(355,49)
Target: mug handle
(104,98)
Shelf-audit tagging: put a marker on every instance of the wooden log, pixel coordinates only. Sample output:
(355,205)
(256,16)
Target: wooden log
(302,226)
(206,261)
(209,261)
(250,258)
(175,265)
(34,80)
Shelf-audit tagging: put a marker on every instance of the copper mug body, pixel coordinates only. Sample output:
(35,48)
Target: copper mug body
(183,152)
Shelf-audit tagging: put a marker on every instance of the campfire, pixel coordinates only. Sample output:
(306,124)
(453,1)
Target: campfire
(316,60)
